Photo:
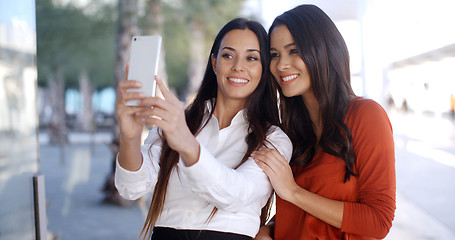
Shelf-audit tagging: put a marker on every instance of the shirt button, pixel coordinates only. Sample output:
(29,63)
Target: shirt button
(189,214)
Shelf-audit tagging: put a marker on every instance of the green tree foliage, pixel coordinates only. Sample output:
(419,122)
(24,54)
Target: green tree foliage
(211,14)
(71,41)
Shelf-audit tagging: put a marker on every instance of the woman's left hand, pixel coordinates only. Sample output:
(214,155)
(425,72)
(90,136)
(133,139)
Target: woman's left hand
(169,115)
(278,170)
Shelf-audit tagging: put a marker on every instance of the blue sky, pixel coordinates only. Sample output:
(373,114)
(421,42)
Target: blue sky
(22,9)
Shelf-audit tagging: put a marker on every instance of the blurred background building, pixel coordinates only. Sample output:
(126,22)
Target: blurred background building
(60,62)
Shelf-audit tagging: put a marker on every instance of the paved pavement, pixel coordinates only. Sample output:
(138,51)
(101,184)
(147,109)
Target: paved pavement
(75,174)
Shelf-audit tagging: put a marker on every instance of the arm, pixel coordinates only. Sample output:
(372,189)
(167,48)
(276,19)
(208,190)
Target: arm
(131,174)
(373,144)
(234,189)
(134,184)
(130,123)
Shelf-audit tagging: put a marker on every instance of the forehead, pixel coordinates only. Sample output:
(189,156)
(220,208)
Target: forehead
(240,39)
(280,36)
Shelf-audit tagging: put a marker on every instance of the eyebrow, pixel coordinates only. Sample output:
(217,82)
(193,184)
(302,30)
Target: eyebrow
(285,46)
(248,50)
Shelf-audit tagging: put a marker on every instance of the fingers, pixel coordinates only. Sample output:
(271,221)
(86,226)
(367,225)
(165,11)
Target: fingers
(266,168)
(125,84)
(165,91)
(270,160)
(156,102)
(162,113)
(127,68)
(123,96)
(265,161)
(272,156)
(132,96)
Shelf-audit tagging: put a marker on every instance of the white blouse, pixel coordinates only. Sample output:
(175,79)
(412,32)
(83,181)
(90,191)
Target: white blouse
(239,194)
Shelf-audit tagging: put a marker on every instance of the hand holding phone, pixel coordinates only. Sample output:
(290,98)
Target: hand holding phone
(143,67)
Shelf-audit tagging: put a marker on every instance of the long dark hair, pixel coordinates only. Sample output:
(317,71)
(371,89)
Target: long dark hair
(261,113)
(325,54)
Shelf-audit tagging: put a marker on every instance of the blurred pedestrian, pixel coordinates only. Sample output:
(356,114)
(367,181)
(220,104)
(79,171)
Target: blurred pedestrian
(196,161)
(452,106)
(341,180)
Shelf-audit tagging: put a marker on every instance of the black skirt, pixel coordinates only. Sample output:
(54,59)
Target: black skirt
(163,233)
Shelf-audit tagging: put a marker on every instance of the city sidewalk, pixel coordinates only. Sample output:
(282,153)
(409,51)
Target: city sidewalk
(75,174)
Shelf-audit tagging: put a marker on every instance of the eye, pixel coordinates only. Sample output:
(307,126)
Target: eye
(252,58)
(293,51)
(227,55)
(274,55)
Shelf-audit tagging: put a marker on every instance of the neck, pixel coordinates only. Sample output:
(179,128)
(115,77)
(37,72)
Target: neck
(226,110)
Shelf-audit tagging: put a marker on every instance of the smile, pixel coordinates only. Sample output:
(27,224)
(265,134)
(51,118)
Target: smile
(238,80)
(289,78)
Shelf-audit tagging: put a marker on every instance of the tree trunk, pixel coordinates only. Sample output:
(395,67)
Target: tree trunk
(58,131)
(86,113)
(196,63)
(126,29)
(155,21)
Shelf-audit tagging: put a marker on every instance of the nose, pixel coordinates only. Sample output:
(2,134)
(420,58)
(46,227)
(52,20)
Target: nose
(238,65)
(283,63)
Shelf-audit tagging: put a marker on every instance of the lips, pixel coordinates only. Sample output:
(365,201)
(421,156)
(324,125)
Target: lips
(288,79)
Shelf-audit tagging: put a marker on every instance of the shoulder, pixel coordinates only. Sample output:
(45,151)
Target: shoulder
(364,105)
(366,112)
(276,132)
(369,124)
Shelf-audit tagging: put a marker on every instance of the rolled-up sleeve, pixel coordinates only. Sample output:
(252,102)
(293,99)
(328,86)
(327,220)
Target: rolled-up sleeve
(135,184)
(234,189)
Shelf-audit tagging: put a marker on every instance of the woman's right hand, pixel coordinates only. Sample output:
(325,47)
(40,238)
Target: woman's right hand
(264,233)
(130,122)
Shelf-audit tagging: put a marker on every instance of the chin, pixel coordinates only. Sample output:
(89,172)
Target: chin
(289,94)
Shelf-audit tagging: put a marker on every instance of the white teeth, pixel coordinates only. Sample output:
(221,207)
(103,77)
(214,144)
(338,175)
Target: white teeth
(238,80)
(289,78)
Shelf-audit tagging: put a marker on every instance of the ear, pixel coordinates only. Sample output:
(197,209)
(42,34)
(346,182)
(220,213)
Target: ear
(213,58)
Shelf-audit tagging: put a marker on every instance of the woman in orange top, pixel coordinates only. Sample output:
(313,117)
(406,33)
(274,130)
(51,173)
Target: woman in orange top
(341,182)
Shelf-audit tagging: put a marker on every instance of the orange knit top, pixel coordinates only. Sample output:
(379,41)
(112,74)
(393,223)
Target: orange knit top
(369,198)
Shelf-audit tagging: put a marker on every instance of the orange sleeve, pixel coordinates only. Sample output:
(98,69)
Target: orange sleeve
(372,139)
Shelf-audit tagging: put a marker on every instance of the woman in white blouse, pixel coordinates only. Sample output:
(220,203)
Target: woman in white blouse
(197,160)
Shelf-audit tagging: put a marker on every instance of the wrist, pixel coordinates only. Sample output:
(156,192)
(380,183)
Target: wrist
(126,141)
(190,152)
(293,193)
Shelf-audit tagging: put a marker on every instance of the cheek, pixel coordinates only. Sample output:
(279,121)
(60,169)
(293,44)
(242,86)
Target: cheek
(257,72)
(223,65)
(274,74)
(272,67)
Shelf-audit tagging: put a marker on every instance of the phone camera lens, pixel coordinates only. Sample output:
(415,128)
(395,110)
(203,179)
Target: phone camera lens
(134,39)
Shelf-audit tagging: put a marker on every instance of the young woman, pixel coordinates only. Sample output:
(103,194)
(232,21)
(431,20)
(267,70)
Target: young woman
(196,161)
(341,182)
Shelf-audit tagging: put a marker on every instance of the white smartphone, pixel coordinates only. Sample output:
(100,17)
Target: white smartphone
(144,58)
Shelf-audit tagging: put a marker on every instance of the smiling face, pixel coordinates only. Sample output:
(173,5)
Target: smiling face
(238,65)
(286,64)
